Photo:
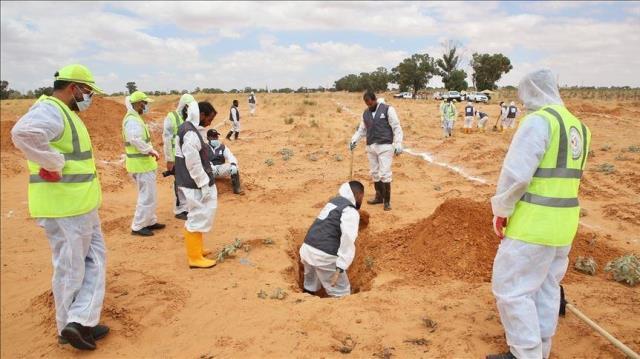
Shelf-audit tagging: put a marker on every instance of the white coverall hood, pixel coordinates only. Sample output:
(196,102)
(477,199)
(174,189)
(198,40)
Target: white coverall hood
(538,89)
(184,100)
(193,113)
(127,103)
(346,192)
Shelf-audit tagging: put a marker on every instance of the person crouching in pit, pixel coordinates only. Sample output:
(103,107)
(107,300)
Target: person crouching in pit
(329,246)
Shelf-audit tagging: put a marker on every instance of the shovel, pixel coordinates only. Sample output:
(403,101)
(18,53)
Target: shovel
(495,125)
(564,305)
(351,167)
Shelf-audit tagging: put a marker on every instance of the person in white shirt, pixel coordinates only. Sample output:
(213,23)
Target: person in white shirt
(234,117)
(329,246)
(381,127)
(252,103)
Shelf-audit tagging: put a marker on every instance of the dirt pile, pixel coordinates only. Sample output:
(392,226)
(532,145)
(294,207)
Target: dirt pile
(457,241)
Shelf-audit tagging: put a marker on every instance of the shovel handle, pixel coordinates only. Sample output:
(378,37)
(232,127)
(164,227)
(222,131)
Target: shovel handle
(351,167)
(618,344)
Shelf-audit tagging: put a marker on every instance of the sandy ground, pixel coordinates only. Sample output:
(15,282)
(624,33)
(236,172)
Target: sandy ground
(429,260)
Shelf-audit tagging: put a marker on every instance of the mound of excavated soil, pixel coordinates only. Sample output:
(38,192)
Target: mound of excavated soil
(457,241)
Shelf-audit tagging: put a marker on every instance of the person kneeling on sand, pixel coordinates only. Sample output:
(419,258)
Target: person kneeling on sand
(224,162)
(329,246)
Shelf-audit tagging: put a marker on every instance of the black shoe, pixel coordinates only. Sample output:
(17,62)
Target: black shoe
(79,336)
(387,196)
(99,331)
(156,226)
(378,198)
(506,355)
(145,232)
(229,135)
(235,182)
(235,137)
(182,216)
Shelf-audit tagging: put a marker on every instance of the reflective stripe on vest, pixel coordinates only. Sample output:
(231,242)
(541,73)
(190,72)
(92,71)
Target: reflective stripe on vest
(135,161)
(78,191)
(548,213)
(177,121)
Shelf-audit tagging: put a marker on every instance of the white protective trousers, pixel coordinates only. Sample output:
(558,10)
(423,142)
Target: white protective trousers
(380,159)
(526,283)
(202,211)
(79,264)
(320,276)
(147,200)
(235,126)
(482,122)
(508,122)
(252,108)
(223,170)
(448,127)
(468,122)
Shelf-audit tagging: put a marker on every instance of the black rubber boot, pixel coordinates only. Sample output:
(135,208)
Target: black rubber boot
(99,331)
(144,232)
(235,181)
(182,215)
(156,226)
(387,196)
(229,135)
(236,136)
(79,336)
(378,197)
(506,355)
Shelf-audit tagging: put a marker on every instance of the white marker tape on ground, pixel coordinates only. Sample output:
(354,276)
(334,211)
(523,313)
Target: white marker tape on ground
(429,158)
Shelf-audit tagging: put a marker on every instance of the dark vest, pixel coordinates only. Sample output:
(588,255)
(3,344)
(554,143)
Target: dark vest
(252,99)
(183,178)
(468,111)
(237,113)
(378,129)
(512,112)
(325,234)
(482,114)
(217,155)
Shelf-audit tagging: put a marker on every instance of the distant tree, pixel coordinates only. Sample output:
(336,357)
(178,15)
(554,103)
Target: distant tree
(380,79)
(488,69)
(196,90)
(452,77)
(4,89)
(43,91)
(185,92)
(131,87)
(174,92)
(285,90)
(414,72)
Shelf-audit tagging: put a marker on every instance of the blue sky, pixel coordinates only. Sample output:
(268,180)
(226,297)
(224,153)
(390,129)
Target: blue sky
(183,45)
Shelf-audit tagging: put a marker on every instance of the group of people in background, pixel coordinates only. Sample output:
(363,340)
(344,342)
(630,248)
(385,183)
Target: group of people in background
(449,114)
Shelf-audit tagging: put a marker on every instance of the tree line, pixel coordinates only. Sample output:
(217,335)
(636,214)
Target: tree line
(415,72)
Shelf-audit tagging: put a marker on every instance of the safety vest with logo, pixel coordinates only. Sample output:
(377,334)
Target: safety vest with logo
(449,111)
(137,162)
(78,191)
(177,121)
(548,213)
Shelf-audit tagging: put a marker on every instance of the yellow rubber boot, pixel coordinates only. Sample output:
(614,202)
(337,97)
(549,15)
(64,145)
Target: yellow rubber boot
(194,245)
(206,252)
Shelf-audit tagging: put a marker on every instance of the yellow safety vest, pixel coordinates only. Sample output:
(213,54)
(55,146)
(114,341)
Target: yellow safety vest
(177,121)
(78,192)
(137,162)
(549,211)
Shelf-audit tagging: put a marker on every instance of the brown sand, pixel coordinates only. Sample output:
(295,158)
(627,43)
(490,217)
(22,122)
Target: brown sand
(430,257)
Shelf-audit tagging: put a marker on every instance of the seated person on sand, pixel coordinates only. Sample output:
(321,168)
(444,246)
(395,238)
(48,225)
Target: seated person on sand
(224,163)
(329,246)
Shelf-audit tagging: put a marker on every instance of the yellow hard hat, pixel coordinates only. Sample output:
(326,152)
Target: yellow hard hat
(80,74)
(138,96)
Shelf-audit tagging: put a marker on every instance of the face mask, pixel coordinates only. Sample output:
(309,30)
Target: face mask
(358,204)
(85,103)
(214,143)
(146,108)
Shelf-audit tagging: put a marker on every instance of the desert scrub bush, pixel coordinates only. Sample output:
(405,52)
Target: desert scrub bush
(625,269)
(605,147)
(286,153)
(634,149)
(586,265)
(338,158)
(606,168)
(309,103)
(315,123)
(288,120)
(268,162)
(229,250)
(339,110)
(621,157)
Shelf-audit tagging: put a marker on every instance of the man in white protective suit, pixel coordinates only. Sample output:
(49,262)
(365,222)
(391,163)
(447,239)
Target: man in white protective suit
(252,103)
(536,214)
(170,130)
(329,246)
(234,118)
(195,179)
(64,197)
(449,113)
(381,127)
(223,161)
(141,163)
